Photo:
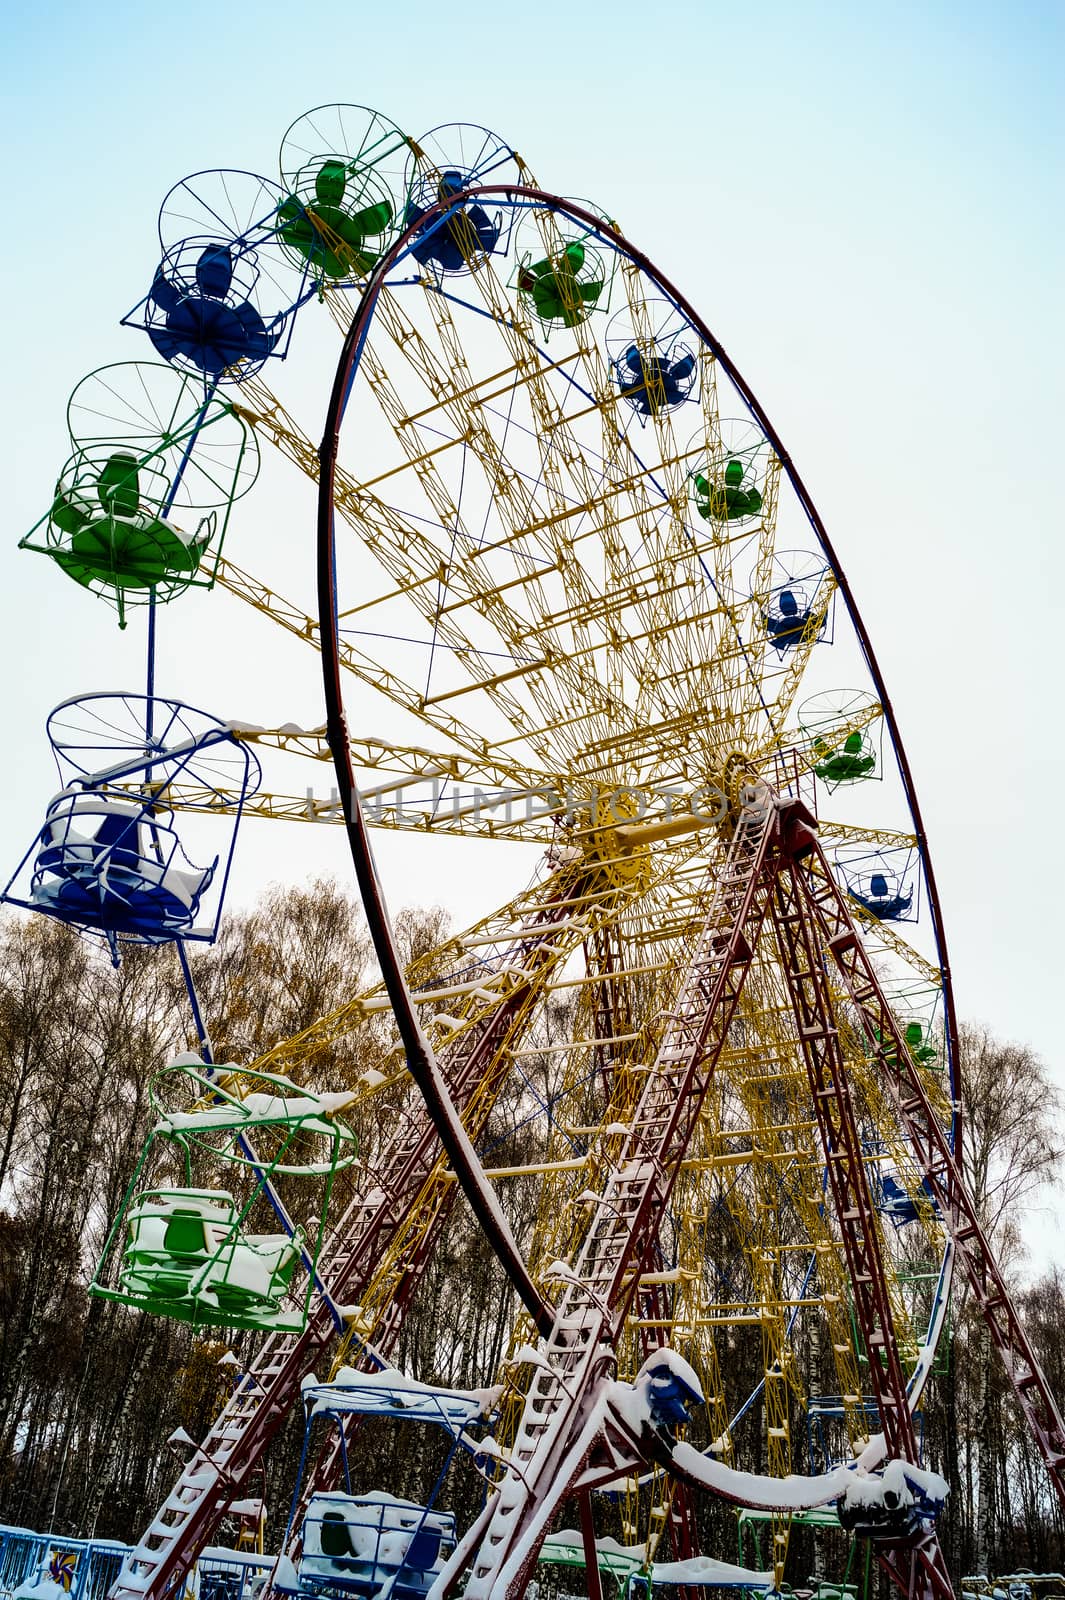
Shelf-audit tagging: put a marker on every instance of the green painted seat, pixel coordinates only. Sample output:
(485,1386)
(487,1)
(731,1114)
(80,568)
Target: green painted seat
(110,535)
(330,235)
(726,500)
(924,1053)
(921,1049)
(852,761)
(555,289)
(185,1256)
(185,1235)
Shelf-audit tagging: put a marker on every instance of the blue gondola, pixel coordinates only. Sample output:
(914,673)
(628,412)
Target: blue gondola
(110,865)
(898,1204)
(787,618)
(373,1543)
(794,599)
(654,383)
(884,883)
(671,1392)
(199,310)
(883,895)
(109,859)
(828,1440)
(466,232)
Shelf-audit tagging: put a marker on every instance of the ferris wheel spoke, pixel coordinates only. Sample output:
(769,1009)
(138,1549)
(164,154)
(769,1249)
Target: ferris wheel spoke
(578,487)
(483,816)
(386,532)
(811,741)
(513,502)
(480,959)
(266,600)
(874,838)
(886,935)
(646,631)
(785,681)
(512,629)
(410,763)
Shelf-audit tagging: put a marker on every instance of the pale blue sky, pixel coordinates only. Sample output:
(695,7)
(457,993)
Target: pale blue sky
(865,204)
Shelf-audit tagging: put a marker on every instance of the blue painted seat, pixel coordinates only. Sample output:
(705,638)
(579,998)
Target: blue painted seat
(366,1544)
(671,1400)
(885,899)
(895,1202)
(671,1393)
(93,868)
(206,322)
(467,232)
(786,620)
(652,384)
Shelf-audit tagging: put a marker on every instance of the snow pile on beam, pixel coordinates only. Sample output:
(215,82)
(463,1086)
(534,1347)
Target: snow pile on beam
(391,1391)
(709,1573)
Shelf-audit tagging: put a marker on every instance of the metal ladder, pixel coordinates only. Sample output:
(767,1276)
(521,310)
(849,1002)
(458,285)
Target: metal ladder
(560,1422)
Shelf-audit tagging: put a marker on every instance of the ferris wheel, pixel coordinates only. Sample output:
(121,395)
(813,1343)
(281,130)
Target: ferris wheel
(558,533)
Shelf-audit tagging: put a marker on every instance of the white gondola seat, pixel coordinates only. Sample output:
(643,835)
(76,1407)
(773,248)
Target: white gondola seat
(173,1233)
(183,1243)
(359,1544)
(92,867)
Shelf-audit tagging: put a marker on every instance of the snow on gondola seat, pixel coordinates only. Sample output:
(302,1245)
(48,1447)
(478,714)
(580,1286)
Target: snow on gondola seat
(179,1229)
(363,1544)
(673,1390)
(82,827)
(184,1244)
(392,1393)
(661,1395)
(92,868)
(892,1506)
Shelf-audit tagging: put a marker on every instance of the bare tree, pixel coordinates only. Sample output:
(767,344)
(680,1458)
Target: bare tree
(1010,1151)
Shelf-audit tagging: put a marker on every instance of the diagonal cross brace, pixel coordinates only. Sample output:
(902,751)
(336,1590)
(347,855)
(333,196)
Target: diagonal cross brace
(561,1426)
(938,1167)
(237,1440)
